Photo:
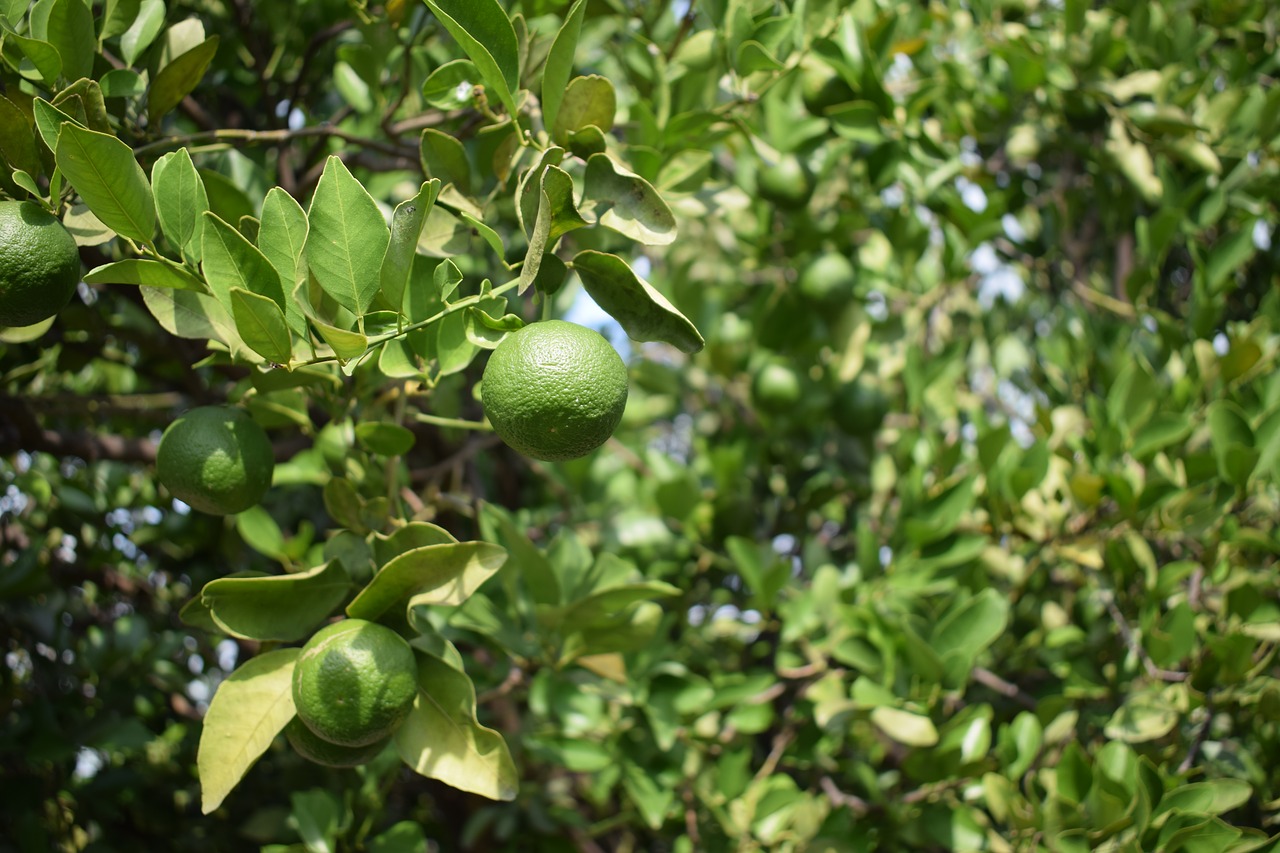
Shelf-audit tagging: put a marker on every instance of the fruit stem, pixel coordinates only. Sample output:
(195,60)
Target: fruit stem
(480,426)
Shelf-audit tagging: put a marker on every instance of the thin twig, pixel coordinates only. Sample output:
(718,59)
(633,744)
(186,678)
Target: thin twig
(987,678)
(1202,734)
(837,797)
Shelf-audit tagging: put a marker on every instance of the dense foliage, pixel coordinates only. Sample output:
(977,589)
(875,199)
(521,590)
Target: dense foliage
(966,545)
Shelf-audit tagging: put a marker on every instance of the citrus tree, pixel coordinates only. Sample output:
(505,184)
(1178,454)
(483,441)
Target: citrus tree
(920,497)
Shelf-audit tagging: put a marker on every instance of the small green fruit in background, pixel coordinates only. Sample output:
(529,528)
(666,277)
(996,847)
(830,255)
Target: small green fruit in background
(786,184)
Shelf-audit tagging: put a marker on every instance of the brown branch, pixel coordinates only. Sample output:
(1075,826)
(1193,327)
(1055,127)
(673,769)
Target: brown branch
(19,430)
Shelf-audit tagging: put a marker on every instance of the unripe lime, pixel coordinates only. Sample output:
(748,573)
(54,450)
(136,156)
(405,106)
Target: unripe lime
(39,264)
(216,459)
(860,407)
(312,747)
(776,388)
(354,682)
(830,277)
(786,183)
(554,390)
(821,87)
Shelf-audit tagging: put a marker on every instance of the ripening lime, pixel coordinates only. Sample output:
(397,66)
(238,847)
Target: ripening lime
(786,183)
(39,264)
(776,388)
(216,459)
(312,747)
(828,278)
(554,390)
(354,682)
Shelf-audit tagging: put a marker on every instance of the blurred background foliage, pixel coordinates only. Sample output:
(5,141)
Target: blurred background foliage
(972,535)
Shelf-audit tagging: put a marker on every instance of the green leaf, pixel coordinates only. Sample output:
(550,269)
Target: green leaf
(70,30)
(415,534)
(527,561)
(260,532)
(643,312)
(347,239)
(1229,255)
(625,202)
(109,179)
(1213,797)
(653,800)
(939,515)
(261,325)
(43,56)
(177,79)
(406,229)
(432,574)
(230,261)
(89,96)
(122,83)
(249,709)
(557,187)
(1233,442)
(384,439)
(905,727)
(1145,716)
(449,86)
(317,815)
(403,837)
(967,630)
(485,33)
(588,102)
(49,120)
(282,608)
(442,739)
(180,202)
(143,31)
(559,65)
(444,159)
(282,235)
(603,604)
(858,121)
(144,272)
(1162,430)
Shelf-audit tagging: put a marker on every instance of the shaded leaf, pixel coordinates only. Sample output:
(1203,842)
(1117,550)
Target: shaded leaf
(283,608)
(644,313)
(177,79)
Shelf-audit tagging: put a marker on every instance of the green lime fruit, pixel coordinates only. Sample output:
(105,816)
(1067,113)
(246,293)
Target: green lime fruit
(859,407)
(828,278)
(354,682)
(554,390)
(312,747)
(822,88)
(39,264)
(786,184)
(216,459)
(776,388)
